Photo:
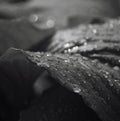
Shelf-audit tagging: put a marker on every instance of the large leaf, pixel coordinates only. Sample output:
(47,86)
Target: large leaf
(98,84)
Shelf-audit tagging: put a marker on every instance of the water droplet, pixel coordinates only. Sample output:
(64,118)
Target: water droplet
(106,72)
(33,18)
(65,51)
(118,84)
(84,82)
(38,64)
(111,25)
(116,68)
(94,31)
(50,23)
(116,80)
(43,64)
(48,54)
(69,50)
(85,43)
(67,45)
(76,89)
(106,76)
(95,61)
(106,64)
(110,82)
(75,49)
(89,75)
(66,61)
(85,58)
(83,40)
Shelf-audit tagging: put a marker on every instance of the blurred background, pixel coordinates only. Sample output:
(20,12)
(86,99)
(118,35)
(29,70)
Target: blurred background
(59,11)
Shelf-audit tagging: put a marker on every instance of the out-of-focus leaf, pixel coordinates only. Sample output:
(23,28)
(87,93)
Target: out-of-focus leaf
(12,1)
(22,34)
(96,41)
(75,20)
(58,10)
(17,76)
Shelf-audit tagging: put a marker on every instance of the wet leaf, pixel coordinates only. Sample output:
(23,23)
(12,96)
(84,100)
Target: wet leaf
(97,41)
(99,85)
(87,67)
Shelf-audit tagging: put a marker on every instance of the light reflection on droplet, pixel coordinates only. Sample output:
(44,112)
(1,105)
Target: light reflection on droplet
(50,23)
(75,49)
(85,43)
(94,31)
(69,50)
(116,68)
(89,75)
(66,45)
(66,61)
(84,58)
(76,89)
(33,18)
(48,54)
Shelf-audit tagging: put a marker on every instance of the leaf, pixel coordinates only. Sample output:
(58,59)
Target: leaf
(96,83)
(95,41)
(17,76)
(99,85)
(22,34)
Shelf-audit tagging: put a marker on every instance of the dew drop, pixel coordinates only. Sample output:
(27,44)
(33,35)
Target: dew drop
(65,51)
(118,84)
(83,40)
(75,49)
(89,75)
(116,80)
(50,23)
(106,72)
(48,54)
(111,25)
(69,50)
(66,61)
(76,89)
(67,45)
(33,18)
(106,64)
(85,43)
(38,64)
(106,76)
(116,68)
(94,31)
(110,82)
(84,58)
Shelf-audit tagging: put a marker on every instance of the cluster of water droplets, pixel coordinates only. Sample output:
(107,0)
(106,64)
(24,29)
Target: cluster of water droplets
(43,23)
